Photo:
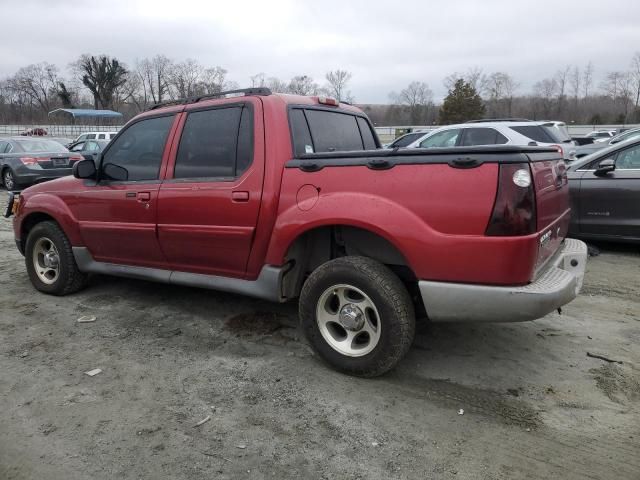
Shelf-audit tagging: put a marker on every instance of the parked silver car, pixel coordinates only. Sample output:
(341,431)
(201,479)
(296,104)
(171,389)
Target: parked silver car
(500,132)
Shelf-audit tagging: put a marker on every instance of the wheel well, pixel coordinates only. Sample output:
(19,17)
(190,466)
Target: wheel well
(31,221)
(317,246)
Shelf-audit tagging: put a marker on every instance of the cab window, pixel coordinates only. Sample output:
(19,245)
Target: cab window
(140,147)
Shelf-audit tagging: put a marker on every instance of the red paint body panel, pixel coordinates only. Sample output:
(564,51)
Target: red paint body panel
(435,215)
(202,228)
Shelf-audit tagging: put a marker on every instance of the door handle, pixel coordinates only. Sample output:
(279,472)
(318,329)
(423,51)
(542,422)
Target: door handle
(240,196)
(144,196)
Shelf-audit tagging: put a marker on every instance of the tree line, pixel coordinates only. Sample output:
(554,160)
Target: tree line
(103,82)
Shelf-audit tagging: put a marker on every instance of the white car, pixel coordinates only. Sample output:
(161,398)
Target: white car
(500,132)
(95,136)
(601,135)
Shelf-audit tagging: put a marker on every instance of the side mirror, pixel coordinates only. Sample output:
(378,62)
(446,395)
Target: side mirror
(115,172)
(605,166)
(85,169)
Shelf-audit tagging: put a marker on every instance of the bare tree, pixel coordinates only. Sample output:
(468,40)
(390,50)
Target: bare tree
(303,85)
(184,78)
(546,91)
(154,77)
(474,76)
(418,99)
(587,79)
(102,75)
(276,85)
(214,80)
(562,81)
(499,88)
(635,77)
(337,81)
(37,82)
(257,80)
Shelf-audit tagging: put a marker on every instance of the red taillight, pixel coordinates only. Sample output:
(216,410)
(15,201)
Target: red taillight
(29,160)
(514,212)
(75,158)
(560,150)
(328,101)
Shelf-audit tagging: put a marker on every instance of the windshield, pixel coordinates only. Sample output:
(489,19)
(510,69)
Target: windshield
(41,146)
(626,136)
(603,152)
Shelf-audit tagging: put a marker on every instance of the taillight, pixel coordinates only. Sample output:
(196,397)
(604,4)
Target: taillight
(560,150)
(514,212)
(75,158)
(29,160)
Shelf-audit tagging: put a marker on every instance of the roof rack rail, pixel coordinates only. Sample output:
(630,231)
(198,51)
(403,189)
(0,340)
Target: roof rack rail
(261,91)
(488,120)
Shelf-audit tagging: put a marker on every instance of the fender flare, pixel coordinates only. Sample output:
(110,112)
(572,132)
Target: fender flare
(56,208)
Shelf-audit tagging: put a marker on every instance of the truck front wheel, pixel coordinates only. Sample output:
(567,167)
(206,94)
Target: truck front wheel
(50,263)
(357,315)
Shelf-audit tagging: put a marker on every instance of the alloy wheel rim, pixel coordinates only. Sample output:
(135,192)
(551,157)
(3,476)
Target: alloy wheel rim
(46,260)
(8,180)
(348,320)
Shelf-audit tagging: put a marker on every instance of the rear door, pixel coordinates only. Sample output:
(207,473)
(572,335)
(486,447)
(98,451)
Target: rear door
(210,199)
(610,205)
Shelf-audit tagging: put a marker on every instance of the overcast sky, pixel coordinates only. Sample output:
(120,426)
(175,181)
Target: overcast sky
(385,44)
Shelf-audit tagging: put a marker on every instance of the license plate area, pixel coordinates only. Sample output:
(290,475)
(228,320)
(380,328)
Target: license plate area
(60,162)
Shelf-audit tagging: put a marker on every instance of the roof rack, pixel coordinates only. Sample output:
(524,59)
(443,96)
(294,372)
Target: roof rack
(183,101)
(487,120)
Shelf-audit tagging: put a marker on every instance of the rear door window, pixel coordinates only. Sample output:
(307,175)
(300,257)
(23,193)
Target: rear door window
(482,136)
(535,133)
(215,143)
(447,138)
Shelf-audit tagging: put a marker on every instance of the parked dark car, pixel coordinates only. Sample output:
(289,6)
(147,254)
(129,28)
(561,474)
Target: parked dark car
(89,149)
(26,160)
(605,194)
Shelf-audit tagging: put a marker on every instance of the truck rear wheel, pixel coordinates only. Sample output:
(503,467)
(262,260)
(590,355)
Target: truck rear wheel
(50,263)
(357,315)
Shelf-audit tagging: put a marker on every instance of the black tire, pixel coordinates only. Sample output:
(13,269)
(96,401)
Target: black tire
(8,172)
(388,294)
(69,279)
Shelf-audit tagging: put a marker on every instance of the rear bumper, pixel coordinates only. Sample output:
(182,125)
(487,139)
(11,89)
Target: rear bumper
(30,176)
(556,285)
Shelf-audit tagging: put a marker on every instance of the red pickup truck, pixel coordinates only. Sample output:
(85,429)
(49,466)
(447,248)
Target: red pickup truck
(285,197)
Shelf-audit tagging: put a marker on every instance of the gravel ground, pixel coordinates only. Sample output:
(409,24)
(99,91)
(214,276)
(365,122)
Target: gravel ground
(535,405)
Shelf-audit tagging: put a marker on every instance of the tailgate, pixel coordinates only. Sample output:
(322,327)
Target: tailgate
(552,203)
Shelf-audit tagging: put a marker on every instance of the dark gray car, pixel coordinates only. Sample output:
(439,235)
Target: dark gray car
(605,194)
(89,149)
(28,160)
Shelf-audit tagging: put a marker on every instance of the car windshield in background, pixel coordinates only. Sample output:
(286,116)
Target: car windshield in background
(407,139)
(536,133)
(41,146)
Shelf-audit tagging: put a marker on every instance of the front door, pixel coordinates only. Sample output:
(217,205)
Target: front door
(609,204)
(118,215)
(210,199)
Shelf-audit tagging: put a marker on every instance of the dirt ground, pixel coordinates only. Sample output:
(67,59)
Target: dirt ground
(535,405)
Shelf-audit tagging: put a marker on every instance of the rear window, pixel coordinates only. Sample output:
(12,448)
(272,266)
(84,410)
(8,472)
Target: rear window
(318,131)
(41,146)
(558,131)
(535,133)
